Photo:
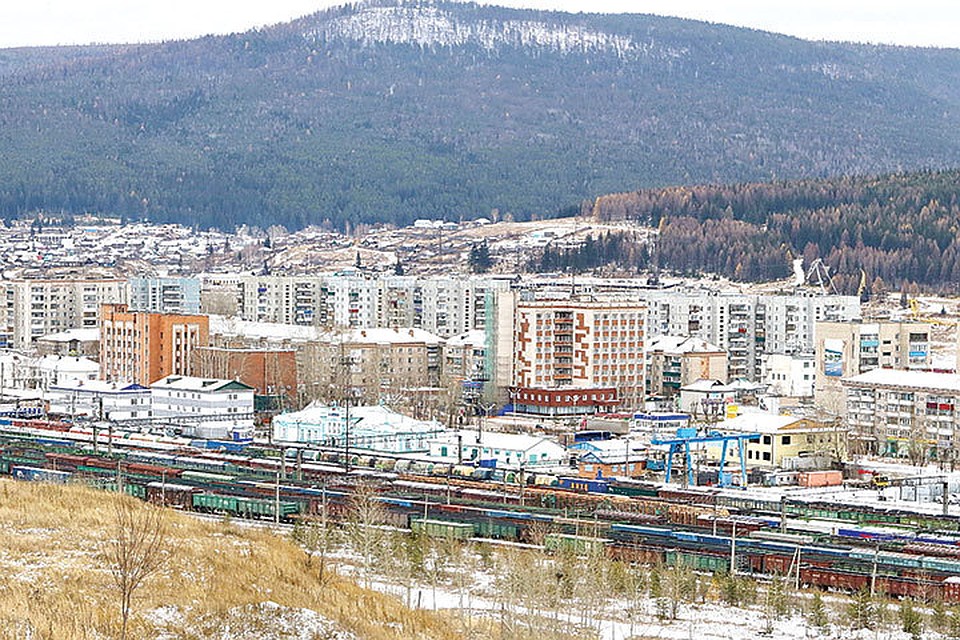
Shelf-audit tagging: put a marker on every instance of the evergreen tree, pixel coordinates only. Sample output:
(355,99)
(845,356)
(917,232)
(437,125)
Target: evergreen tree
(911,620)
(817,612)
(479,260)
(862,610)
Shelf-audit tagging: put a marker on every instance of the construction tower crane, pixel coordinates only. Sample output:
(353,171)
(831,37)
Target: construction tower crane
(819,270)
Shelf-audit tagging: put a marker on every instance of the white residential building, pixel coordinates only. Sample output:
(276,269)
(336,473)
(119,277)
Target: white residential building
(746,326)
(789,375)
(508,450)
(35,308)
(165,295)
(891,411)
(371,429)
(445,306)
(100,400)
(214,408)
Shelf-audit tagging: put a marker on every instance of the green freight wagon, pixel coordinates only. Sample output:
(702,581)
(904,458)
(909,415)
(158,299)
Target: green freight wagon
(242,507)
(698,562)
(580,545)
(443,529)
(497,530)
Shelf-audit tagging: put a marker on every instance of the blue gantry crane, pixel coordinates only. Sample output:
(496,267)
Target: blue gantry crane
(686,437)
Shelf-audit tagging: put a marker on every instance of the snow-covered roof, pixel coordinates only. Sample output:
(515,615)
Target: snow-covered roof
(609,451)
(81,335)
(206,385)
(220,325)
(68,364)
(472,338)
(705,385)
(682,344)
(908,379)
(387,336)
(496,440)
(370,419)
(757,423)
(100,386)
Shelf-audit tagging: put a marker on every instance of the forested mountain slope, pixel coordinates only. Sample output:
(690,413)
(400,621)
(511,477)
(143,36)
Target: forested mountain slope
(873,232)
(391,111)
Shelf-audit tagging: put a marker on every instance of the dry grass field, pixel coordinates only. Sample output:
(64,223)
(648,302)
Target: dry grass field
(218,580)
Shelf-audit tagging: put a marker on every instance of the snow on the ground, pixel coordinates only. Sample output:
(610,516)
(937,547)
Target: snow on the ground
(263,621)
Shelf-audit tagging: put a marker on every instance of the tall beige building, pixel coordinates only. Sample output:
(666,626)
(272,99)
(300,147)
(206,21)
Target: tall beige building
(580,344)
(845,349)
(35,308)
(674,362)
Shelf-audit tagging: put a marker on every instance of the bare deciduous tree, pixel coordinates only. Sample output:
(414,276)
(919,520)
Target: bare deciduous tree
(137,550)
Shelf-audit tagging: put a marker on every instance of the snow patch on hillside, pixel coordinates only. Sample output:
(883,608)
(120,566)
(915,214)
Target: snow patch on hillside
(430,26)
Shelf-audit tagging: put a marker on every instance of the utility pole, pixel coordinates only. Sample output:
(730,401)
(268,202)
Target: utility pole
(346,434)
(733,550)
(276,501)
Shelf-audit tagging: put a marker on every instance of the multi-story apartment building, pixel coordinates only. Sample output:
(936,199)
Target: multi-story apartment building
(143,347)
(370,364)
(789,375)
(580,344)
(845,349)
(905,413)
(165,295)
(35,308)
(747,327)
(673,362)
(445,306)
(464,356)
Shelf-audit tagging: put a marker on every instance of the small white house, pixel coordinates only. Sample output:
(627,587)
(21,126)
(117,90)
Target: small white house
(209,407)
(372,428)
(506,450)
(789,375)
(704,397)
(66,370)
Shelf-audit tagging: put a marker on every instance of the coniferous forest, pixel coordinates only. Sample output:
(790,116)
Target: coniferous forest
(390,111)
(882,232)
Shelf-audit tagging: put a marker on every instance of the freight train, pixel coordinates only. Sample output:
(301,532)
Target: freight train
(635,522)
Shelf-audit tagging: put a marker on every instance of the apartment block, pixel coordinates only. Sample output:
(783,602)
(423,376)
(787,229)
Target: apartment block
(904,413)
(845,349)
(34,308)
(580,344)
(673,362)
(165,295)
(142,347)
(746,327)
(445,306)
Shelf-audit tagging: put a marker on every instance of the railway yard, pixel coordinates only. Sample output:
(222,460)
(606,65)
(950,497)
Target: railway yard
(836,542)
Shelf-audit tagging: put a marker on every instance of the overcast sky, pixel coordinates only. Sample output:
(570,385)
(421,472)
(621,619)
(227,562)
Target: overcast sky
(46,22)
